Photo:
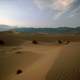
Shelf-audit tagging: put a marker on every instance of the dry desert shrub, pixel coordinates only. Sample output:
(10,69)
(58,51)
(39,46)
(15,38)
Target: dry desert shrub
(34,42)
(67,42)
(63,42)
(60,42)
(2,42)
(19,71)
(18,52)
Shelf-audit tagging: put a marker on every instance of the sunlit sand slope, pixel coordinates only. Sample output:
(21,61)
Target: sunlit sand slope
(67,65)
(34,60)
(47,60)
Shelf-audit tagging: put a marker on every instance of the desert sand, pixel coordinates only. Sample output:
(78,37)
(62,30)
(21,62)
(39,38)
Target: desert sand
(43,61)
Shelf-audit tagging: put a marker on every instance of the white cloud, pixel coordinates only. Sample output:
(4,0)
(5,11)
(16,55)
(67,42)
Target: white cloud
(43,4)
(53,4)
(59,6)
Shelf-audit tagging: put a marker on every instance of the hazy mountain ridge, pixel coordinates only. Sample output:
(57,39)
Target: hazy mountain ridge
(50,30)
(42,30)
(5,27)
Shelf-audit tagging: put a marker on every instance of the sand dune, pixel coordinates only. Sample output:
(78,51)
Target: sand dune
(67,66)
(39,69)
(44,61)
(32,61)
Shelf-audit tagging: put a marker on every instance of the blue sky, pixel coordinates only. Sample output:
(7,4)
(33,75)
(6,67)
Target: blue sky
(40,13)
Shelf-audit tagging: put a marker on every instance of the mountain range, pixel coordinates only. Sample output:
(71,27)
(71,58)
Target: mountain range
(50,30)
(42,30)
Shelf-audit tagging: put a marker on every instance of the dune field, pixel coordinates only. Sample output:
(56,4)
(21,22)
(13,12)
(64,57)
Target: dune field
(20,59)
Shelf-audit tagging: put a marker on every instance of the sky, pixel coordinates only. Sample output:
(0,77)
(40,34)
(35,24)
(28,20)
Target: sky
(40,13)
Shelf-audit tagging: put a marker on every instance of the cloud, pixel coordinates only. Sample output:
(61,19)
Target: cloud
(43,4)
(53,4)
(61,7)
(75,12)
